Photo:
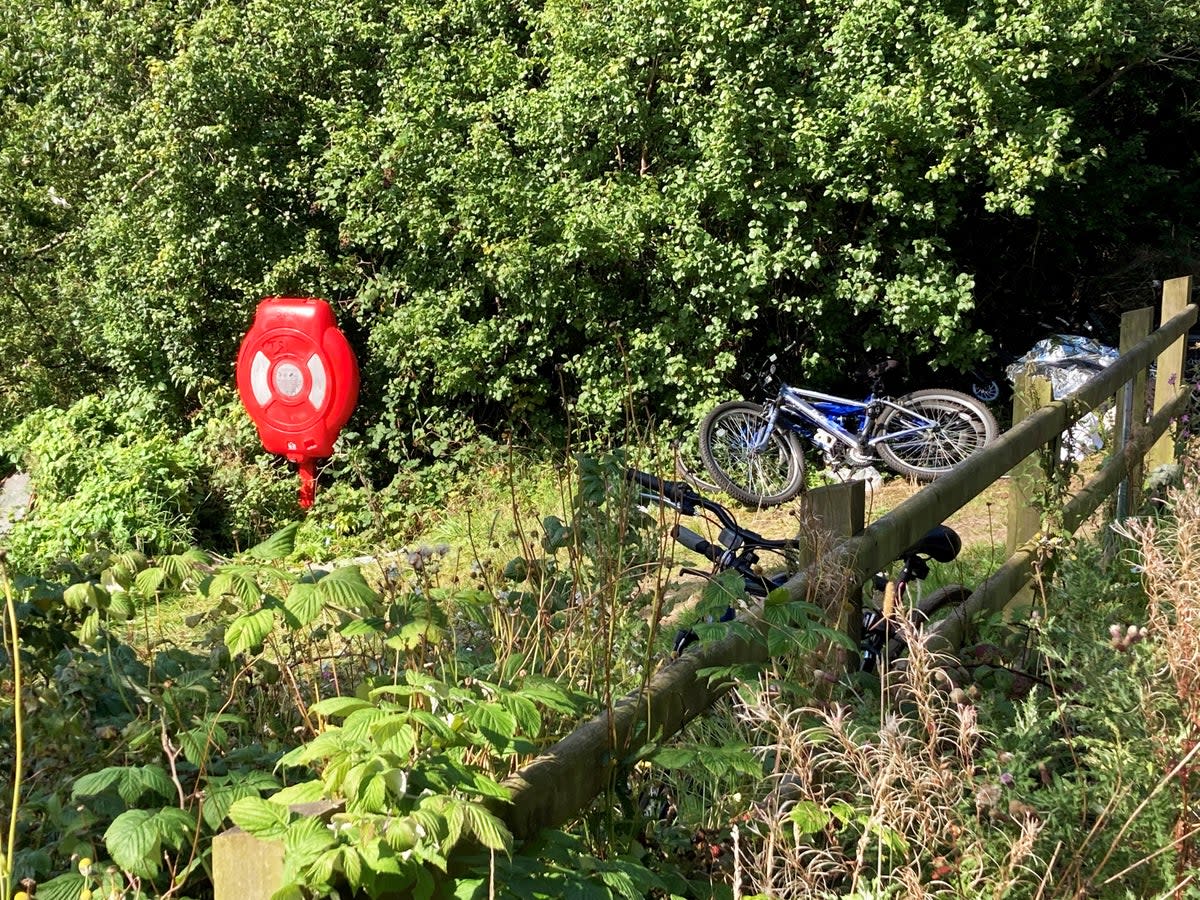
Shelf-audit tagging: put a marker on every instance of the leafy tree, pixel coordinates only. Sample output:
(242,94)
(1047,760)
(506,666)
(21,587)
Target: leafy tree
(513,203)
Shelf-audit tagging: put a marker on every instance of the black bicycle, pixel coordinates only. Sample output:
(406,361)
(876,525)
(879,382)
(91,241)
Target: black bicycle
(741,550)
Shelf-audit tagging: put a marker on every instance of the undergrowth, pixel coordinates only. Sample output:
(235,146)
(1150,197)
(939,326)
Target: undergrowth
(1054,757)
(1051,760)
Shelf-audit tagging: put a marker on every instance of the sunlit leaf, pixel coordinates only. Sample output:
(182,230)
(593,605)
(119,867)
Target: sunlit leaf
(149,581)
(338,706)
(307,838)
(808,817)
(346,587)
(490,831)
(303,603)
(279,545)
(249,631)
(64,887)
(261,818)
(133,842)
(304,792)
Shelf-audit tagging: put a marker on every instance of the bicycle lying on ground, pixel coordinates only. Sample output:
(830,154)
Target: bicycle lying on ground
(738,549)
(753,452)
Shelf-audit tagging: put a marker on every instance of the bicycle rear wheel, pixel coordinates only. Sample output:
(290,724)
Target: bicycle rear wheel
(690,467)
(768,476)
(947,597)
(961,426)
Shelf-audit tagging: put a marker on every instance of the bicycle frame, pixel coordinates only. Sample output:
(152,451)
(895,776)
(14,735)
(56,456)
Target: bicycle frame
(736,549)
(805,412)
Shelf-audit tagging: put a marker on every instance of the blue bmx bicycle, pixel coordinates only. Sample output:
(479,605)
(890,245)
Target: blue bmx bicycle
(754,452)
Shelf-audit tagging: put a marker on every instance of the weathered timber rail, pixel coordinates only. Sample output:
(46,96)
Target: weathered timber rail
(560,782)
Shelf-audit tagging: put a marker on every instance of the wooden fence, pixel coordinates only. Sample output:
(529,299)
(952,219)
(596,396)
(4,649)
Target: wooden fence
(566,778)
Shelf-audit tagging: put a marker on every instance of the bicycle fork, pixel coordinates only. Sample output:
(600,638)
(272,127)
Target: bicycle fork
(756,442)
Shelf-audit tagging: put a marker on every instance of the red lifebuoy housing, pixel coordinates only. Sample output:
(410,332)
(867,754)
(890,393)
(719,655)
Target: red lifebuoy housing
(298,379)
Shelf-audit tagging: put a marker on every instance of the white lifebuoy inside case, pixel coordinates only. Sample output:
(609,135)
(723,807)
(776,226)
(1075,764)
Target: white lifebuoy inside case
(285,380)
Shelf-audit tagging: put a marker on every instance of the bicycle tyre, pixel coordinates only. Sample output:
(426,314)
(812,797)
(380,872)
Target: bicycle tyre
(760,478)
(965,426)
(946,597)
(690,467)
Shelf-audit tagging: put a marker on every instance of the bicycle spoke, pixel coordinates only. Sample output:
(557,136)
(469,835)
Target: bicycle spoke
(951,438)
(764,471)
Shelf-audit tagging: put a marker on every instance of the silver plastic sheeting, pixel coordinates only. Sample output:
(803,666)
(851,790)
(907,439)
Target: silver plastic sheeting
(1070,360)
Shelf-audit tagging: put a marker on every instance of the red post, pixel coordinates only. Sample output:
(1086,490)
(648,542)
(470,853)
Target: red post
(308,482)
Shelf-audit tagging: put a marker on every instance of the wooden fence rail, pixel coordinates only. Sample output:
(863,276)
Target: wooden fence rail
(566,778)
(561,782)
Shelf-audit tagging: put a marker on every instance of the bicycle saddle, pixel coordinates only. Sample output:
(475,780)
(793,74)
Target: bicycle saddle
(940,543)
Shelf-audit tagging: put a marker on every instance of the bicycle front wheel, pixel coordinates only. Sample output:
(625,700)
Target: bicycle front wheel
(929,433)
(752,467)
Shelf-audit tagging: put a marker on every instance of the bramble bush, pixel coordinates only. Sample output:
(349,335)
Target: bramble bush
(108,473)
(1053,753)
(407,701)
(120,470)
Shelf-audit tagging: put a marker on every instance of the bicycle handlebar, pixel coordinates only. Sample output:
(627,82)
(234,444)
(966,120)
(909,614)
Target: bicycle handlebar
(677,492)
(736,546)
(680,495)
(697,544)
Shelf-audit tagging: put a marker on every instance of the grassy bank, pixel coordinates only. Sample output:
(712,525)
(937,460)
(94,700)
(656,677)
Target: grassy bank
(164,697)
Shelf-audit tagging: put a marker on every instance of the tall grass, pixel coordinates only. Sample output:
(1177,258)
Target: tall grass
(965,778)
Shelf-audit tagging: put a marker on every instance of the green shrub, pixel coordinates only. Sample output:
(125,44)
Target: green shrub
(108,473)
(248,493)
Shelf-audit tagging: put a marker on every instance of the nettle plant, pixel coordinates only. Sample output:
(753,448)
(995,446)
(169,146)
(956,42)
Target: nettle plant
(403,701)
(589,582)
(136,753)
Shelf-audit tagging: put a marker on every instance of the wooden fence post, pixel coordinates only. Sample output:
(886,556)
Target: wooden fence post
(248,868)
(1169,376)
(1029,483)
(1131,410)
(829,515)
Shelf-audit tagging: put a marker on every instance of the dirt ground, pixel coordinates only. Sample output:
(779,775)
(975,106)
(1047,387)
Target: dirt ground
(983,521)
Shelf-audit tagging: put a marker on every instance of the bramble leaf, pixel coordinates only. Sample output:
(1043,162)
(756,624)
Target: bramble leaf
(262,818)
(346,587)
(278,546)
(133,842)
(249,631)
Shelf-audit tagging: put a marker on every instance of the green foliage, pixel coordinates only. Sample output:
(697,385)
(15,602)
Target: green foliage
(248,493)
(109,474)
(173,737)
(511,202)
(1088,747)
(120,471)
(136,763)
(411,761)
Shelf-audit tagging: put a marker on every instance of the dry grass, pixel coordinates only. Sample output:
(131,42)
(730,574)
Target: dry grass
(856,809)
(1169,549)
(903,804)
(1170,559)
